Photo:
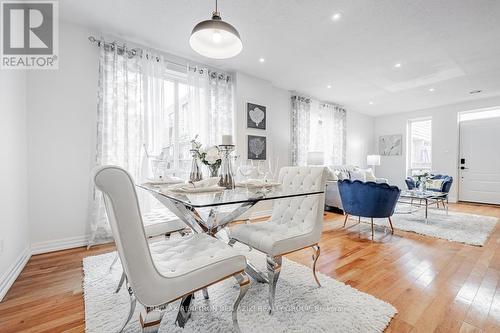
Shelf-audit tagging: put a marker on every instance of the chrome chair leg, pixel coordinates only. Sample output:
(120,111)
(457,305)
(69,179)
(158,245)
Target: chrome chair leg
(205,293)
(120,284)
(273,273)
(114,261)
(184,310)
(244,283)
(317,252)
(345,220)
(372,226)
(150,319)
(133,302)
(390,222)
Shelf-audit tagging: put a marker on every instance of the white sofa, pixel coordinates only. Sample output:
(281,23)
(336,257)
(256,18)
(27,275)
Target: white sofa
(332,195)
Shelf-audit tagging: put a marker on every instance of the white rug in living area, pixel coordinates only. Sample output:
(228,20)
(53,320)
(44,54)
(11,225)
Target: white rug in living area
(457,227)
(300,305)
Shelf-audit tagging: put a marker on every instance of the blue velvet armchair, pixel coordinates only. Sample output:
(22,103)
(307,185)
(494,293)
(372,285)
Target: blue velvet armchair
(410,183)
(445,187)
(447,182)
(368,199)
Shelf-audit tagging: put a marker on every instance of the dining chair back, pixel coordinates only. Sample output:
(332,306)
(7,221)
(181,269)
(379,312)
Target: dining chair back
(125,219)
(304,212)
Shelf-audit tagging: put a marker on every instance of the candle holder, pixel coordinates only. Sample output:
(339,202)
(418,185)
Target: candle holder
(226,173)
(195,174)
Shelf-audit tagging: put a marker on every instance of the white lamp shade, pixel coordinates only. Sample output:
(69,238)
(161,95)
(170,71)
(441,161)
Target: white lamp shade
(373,159)
(215,39)
(315,158)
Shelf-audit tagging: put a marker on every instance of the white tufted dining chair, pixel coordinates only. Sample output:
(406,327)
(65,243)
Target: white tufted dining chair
(168,270)
(157,223)
(296,223)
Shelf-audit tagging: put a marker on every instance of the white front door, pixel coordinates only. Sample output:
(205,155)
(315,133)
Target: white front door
(480,161)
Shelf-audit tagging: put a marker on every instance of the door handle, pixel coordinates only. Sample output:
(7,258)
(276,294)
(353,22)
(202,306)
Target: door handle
(463,168)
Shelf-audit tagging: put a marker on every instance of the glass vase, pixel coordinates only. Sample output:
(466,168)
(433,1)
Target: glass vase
(195,173)
(214,170)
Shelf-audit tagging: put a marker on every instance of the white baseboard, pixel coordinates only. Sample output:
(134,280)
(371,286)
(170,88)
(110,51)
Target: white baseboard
(8,278)
(59,244)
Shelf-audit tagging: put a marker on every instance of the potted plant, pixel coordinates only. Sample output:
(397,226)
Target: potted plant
(421,179)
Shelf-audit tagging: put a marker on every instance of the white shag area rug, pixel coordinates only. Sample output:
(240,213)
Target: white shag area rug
(300,305)
(458,227)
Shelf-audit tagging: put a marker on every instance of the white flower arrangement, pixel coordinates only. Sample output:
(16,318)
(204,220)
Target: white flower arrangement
(210,156)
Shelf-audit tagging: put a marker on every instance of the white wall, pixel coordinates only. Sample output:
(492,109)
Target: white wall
(277,102)
(445,140)
(61,142)
(14,229)
(359,138)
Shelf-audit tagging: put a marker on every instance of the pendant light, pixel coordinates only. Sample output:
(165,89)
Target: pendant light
(215,38)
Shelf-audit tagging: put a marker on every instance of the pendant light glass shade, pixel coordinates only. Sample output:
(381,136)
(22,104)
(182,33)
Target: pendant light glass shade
(215,39)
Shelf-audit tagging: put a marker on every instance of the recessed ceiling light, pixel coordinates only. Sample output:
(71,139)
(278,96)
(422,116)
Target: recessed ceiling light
(398,65)
(475,92)
(262,60)
(336,16)
(370,102)
(329,86)
(432,89)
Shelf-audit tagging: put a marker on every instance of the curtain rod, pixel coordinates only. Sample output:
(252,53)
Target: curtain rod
(132,52)
(308,99)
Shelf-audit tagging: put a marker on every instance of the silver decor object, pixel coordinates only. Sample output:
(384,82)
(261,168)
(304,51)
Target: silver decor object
(195,174)
(226,172)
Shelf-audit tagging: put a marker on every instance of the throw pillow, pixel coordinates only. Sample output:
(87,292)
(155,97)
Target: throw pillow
(358,174)
(341,175)
(369,175)
(332,175)
(434,184)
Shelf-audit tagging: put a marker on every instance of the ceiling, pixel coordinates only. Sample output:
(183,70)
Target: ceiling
(450,46)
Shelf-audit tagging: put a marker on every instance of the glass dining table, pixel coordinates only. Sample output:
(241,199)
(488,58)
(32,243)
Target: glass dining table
(211,212)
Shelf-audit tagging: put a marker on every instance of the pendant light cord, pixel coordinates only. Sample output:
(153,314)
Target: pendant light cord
(216,7)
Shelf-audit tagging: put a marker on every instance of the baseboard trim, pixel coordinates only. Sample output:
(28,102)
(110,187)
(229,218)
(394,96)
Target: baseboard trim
(10,276)
(59,244)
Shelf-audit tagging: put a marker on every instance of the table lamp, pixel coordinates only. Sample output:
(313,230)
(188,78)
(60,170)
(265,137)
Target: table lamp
(373,160)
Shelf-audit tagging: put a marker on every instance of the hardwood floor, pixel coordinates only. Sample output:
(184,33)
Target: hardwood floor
(436,285)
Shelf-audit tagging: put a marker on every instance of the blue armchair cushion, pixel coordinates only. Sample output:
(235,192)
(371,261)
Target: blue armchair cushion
(368,199)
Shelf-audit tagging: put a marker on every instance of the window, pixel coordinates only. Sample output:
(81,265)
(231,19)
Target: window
(420,144)
(174,144)
(317,127)
(180,107)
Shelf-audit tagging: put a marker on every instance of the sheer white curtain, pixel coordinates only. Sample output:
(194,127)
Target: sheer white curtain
(211,104)
(301,115)
(333,133)
(131,119)
(120,122)
(317,127)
